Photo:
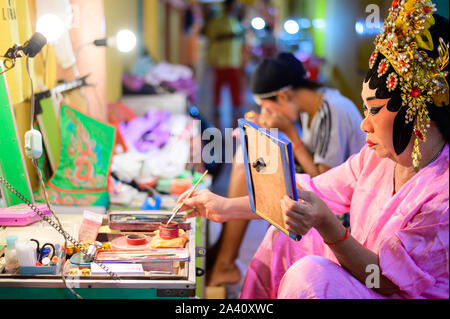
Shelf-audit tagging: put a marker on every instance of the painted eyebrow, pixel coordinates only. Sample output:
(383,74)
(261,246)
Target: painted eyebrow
(375,107)
(374,110)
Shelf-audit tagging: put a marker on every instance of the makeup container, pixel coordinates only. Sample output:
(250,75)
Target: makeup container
(168,231)
(136,239)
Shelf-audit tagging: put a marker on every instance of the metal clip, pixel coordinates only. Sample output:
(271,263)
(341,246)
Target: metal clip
(8,64)
(259,164)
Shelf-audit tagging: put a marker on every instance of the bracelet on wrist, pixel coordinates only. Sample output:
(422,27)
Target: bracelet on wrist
(340,239)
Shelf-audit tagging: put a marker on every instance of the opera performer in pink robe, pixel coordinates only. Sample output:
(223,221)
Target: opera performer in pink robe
(409,231)
(396,188)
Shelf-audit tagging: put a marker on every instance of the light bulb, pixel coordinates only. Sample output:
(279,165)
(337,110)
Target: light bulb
(125,41)
(291,27)
(258,23)
(51,26)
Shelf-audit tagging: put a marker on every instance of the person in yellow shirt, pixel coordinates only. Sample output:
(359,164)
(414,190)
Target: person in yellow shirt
(226,39)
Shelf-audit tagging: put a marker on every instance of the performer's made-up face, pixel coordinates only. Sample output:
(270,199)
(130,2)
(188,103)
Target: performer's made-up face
(378,123)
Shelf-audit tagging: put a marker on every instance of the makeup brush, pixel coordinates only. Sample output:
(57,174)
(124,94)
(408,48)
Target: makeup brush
(177,209)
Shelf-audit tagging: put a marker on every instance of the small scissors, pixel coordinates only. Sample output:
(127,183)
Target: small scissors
(40,250)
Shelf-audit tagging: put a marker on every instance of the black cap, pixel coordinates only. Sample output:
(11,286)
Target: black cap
(282,71)
(296,67)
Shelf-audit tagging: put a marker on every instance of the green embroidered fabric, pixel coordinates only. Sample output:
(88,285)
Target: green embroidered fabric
(83,169)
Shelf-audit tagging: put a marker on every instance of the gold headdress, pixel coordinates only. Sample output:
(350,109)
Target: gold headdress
(402,41)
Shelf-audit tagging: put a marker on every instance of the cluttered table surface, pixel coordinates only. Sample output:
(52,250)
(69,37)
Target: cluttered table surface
(131,247)
(122,223)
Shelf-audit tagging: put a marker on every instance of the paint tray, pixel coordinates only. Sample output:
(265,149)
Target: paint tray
(160,261)
(142,220)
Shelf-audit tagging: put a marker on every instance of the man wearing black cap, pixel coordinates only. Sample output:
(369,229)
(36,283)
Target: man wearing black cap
(330,123)
(330,133)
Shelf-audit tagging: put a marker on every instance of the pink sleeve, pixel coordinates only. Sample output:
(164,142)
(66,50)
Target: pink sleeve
(416,258)
(335,187)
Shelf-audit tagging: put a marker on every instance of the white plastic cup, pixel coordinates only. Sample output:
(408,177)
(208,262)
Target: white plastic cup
(26,254)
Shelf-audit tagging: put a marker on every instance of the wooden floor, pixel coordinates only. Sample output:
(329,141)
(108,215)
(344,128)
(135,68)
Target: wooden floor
(257,228)
(215,292)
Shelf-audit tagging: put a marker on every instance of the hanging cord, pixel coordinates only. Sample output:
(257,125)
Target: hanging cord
(52,223)
(77,75)
(99,101)
(32,93)
(63,257)
(57,226)
(44,63)
(38,171)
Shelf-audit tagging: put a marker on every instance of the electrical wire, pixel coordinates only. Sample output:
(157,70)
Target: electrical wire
(44,65)
(97,97)
(77,51)
(59,224)
(64,233)
(38,171)
(32,93)
(77,75)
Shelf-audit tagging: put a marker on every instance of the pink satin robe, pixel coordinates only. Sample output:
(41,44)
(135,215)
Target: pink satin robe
(408,230)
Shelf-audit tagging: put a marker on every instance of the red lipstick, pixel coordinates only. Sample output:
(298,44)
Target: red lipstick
(370,143)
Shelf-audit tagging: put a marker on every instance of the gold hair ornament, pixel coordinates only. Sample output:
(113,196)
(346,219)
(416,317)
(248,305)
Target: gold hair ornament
(403,40)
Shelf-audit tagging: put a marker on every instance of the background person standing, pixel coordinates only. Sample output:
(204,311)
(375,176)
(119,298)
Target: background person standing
(226,40)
